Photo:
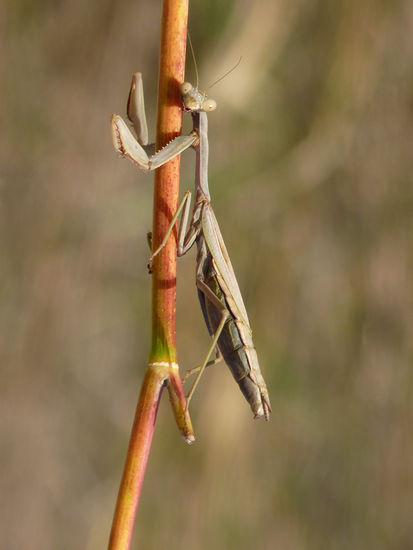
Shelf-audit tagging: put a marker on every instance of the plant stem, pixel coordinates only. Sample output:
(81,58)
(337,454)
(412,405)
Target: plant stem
(166,194)
(136,460)
(162,367)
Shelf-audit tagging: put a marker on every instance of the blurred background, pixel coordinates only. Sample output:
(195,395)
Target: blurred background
(311,179)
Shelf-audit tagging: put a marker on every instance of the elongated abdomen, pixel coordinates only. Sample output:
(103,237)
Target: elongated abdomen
(236,346)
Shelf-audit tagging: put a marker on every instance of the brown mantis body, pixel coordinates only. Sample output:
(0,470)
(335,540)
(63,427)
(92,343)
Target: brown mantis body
(218,291)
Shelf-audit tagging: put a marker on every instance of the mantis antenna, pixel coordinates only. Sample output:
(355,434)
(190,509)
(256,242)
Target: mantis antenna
(226,74)
(196,67)
(193,57)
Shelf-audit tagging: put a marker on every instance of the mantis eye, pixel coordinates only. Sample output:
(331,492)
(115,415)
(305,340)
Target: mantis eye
(209,105)
(186,87)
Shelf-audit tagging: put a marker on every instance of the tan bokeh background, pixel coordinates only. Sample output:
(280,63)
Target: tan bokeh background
(311,177)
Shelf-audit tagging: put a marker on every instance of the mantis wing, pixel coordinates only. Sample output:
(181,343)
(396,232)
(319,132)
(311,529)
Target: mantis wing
(223,265)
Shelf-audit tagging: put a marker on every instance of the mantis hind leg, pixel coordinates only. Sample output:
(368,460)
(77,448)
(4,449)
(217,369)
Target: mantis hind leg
(209,295)
(211,363)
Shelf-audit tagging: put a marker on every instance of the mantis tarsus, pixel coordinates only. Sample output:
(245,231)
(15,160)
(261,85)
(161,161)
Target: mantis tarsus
(219,295)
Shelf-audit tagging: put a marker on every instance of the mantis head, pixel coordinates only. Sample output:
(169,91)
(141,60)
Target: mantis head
(194,100)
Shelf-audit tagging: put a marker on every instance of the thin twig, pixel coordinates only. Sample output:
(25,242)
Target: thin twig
(162,367)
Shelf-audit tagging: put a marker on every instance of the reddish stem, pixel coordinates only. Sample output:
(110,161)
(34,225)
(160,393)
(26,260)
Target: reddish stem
(166,194)
(162,367)
(136,460)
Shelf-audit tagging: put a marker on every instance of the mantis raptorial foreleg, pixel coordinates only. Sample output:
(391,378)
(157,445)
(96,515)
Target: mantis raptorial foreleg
(136,109)
(137,149)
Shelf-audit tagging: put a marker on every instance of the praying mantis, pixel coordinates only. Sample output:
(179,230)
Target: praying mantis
(218,291)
